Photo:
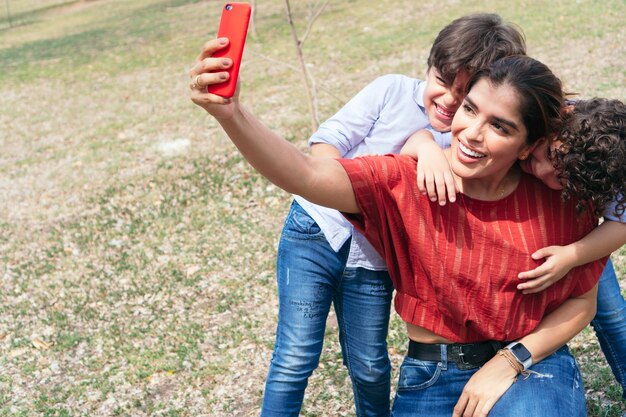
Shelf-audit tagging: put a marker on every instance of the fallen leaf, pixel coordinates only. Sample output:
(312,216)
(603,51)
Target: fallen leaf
(191,271)
(17,352)
(40,344)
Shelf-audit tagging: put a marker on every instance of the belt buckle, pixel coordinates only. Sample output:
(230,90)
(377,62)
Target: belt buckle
(462,356)
(462,363)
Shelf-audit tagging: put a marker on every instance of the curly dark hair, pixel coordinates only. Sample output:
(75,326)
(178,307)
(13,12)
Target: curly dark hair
(591,162)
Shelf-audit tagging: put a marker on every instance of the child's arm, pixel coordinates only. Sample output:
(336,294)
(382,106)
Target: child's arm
(600,242)
(434,176)
(350,126)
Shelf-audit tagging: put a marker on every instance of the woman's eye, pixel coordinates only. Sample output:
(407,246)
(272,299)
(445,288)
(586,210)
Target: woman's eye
(467,108)
(499,127)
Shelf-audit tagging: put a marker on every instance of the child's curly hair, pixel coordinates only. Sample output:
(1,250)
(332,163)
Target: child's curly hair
(591,163)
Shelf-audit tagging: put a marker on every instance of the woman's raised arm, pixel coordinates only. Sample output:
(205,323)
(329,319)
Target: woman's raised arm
(320,180)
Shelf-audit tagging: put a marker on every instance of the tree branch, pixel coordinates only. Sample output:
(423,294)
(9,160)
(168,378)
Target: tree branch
(311,21)
(340,100)
(306,76)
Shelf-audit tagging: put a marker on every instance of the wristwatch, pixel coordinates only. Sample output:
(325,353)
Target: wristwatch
(522,354)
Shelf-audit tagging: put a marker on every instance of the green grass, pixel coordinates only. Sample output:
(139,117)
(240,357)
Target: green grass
(152,273)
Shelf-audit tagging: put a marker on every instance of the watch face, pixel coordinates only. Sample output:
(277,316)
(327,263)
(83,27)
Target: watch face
(520,352)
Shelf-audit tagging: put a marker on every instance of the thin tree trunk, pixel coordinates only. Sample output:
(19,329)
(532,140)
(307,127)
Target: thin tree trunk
(6,3)
(309,82)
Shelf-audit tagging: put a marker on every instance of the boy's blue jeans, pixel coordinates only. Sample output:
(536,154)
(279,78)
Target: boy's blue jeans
(610,324)
(311,276)
(428,388)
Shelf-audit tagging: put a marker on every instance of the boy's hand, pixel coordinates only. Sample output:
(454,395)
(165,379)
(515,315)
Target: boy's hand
(558,261)
(207,71)
(434,175)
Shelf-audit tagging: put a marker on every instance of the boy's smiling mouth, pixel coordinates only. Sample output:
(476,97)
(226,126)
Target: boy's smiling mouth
(444,112)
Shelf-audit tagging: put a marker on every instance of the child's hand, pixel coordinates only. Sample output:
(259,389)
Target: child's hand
(434,175)
(558,261)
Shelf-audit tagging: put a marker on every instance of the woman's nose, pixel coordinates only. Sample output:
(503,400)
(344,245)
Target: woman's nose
(473,132)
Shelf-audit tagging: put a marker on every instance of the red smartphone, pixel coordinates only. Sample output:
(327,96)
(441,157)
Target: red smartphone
(234,26)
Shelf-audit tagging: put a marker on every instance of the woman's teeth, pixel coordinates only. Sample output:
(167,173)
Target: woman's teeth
(470,152)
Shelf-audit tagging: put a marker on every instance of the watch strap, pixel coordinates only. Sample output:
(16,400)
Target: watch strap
(521,354)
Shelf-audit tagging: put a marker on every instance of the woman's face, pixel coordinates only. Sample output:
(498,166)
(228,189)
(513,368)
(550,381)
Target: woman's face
(541,166)
(488,133)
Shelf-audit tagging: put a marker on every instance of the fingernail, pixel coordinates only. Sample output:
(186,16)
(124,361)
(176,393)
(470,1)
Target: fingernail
(225,62)
(223,41)
(223,76)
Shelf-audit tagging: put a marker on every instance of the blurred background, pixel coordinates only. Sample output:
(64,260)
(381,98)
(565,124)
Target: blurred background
(137,248)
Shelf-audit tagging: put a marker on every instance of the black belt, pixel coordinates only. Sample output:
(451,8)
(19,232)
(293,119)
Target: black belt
(465,355)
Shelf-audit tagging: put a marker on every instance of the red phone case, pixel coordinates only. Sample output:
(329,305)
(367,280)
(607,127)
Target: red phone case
(234,26)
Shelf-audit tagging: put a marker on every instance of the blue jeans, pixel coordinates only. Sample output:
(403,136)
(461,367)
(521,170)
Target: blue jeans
(311,276)
(428,388)
(610,324)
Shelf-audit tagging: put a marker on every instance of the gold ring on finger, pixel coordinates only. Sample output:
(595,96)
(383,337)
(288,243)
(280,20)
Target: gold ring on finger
(195,82)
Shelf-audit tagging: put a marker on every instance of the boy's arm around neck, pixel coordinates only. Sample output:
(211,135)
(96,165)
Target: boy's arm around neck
(600,242)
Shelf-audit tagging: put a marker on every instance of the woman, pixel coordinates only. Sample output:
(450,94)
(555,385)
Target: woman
(455,292)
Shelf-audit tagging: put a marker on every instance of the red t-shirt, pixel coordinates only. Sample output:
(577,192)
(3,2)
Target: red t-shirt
(455,267)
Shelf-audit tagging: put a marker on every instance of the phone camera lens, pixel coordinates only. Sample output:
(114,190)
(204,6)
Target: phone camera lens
(229,7)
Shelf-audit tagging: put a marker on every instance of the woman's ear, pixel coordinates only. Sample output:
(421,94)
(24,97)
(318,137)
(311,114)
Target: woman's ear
(527,150)
(523,155)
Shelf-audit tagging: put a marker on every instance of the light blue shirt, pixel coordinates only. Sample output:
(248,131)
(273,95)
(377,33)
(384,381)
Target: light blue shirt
(378,120)
(609,213)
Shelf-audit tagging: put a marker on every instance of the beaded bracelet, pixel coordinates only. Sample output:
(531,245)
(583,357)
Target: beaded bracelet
(512,360)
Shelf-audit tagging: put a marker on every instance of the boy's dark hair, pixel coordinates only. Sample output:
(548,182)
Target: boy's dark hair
(539,93)
(591,161)
(472,43)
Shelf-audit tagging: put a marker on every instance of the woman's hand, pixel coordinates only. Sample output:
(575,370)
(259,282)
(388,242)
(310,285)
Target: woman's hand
(558,261)
(485,388)
(208,71)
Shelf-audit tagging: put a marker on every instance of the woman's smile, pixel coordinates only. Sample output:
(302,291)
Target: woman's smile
(469,152)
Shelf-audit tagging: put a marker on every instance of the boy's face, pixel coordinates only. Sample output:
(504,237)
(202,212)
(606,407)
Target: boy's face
(539,165)
(441,101)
